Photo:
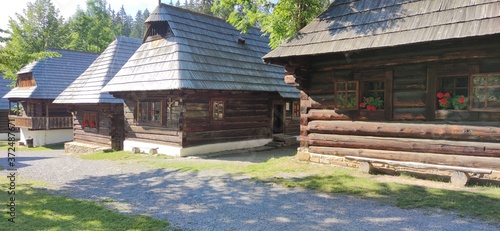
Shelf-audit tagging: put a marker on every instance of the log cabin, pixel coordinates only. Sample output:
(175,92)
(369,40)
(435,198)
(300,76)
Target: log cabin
(38,84)
(399,81)
(98,116)
(197,85)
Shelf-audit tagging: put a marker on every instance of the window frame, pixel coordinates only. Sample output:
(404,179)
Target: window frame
(346,91)
(363,91)
(88,118)
(147,122)
(471,92)
(213,117)
(295,109)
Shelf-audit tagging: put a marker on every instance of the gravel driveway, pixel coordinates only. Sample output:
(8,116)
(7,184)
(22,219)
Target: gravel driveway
(210,200)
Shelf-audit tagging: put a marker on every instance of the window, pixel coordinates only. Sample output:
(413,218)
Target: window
(149,113)
(90,122)
(218,109)
(486,91)
(373,94)
(25,80)
(296,109)
(455,85)
(346,95)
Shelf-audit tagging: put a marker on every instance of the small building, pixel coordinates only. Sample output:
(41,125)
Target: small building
(38,84)
(98,116)
(197,85)
(403,81)
(4,109)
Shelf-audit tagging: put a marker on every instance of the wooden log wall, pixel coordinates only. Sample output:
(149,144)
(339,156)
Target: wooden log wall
(247,116)
(4,121)
(109,132)
(169,133)
(416,130)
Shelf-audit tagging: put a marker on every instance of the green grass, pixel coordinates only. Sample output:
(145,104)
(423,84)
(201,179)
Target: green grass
(38,210)
(483,202)
(4,146)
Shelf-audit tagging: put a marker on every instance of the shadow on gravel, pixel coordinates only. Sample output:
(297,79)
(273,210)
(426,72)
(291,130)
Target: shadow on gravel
(251,156)
(20,162)
(197,201)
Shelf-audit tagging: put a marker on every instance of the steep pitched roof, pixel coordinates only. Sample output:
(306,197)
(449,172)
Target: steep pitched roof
(53,75)
(350,25)
(201,52)
(4,103)
(87,87)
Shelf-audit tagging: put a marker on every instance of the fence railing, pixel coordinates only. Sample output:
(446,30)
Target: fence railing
(40,123)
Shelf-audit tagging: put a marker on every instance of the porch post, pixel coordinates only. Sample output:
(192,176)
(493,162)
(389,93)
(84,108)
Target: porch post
(47,127)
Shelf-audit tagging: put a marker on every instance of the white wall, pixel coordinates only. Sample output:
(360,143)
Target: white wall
(5,136)
(197,150)
(44,137)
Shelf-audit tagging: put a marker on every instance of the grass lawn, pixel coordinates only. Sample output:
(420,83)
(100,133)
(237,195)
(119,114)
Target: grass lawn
(4,146)
(477,201)
(37,210)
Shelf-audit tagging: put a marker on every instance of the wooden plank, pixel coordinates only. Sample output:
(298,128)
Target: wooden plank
(420,157)
(485,132)
(409,113)
(431,91)
(152,130)
(474,148)
(388,94)
(421,165)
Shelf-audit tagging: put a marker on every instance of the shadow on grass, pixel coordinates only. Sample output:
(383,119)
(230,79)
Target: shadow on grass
(37,210)
(481,205)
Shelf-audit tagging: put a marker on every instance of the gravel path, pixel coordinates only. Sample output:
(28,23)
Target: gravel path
(210,200)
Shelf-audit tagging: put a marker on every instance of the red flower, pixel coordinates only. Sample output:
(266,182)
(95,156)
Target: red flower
(362,105)
(85,124)
(447,94)
(443,101)
(92,125)
(440,95)
(461,100)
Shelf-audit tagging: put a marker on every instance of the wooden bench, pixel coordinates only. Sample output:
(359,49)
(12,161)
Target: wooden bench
(459,176)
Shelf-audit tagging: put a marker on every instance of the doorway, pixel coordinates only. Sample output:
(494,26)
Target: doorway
(278,125)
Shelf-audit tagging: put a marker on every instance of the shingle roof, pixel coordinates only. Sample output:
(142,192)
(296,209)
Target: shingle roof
(53,75)
(4,103)
(350,25)
(87,87)
(202,53)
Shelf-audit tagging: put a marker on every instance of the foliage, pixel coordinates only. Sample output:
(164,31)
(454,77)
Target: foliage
(444,99)
(372,103)
(139,26)
(38,210)
(280,21)
(459,102)
(30,34)
(91,30)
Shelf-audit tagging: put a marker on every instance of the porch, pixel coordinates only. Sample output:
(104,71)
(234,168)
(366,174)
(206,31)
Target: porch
(42,123)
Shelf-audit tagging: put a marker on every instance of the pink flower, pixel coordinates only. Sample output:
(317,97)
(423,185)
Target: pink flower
(362,105)
(440,95)
(443,101)
(447,94)
(461,100)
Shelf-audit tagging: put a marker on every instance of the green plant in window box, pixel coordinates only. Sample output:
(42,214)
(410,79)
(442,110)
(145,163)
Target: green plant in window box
(372,103)
(459,102)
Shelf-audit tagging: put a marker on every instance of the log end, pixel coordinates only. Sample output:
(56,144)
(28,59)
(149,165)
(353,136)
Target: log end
(459,178)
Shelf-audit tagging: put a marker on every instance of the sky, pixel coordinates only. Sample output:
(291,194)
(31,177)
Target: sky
(68,7)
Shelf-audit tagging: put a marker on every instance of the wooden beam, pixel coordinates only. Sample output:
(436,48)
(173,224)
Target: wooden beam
(421,165)
(388,84)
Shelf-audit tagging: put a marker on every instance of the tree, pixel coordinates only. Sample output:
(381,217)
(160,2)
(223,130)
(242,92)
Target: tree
(91,30)
(39,27)
(281,21)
